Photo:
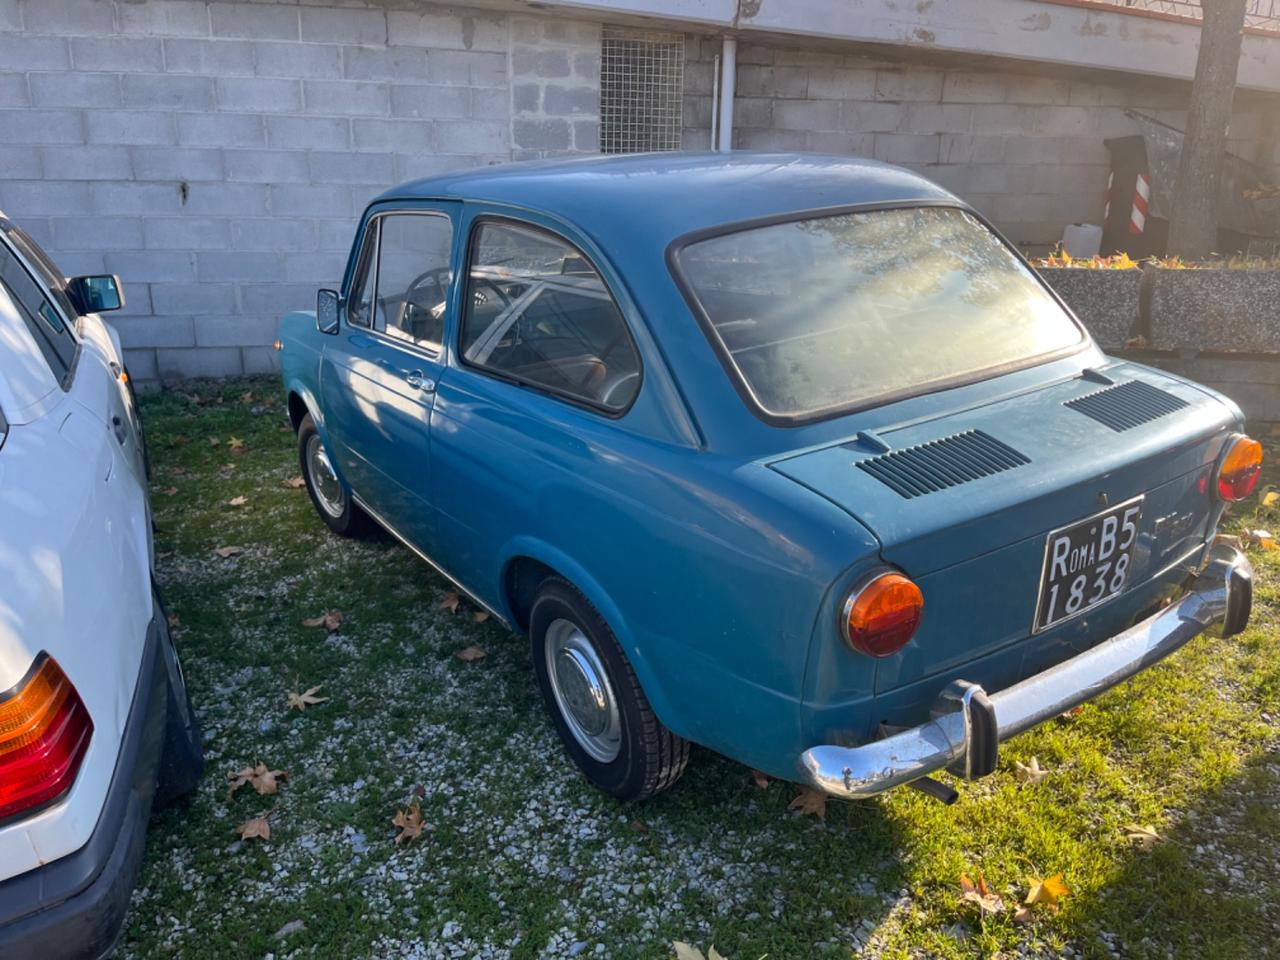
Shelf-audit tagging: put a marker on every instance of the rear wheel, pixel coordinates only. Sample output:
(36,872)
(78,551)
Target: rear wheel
(595,700)
(329,495)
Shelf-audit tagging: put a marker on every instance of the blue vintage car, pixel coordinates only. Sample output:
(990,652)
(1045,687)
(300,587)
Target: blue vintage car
(789,456)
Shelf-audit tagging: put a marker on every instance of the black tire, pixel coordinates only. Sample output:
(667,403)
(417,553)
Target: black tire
(350,521)
(182,755)
(650,757)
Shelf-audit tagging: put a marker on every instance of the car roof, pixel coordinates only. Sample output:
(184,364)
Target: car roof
(662,196)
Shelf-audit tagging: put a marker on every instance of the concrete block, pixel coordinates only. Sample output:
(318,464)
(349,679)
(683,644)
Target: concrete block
(586,136)
(350,97)
(93,233)
(973,88)
(254,21)
(20,198)
(164,18)
(844,144)
(540,64)
(460,66)
(385,63)
(93,18)
(74,89)
(966,148)
(260,361)
(335,167)
(14,91)
(214,266)
(174,299)
(778,82)
(141,365)
(42,126)
(10,15)
(259,95)
(335,235)
(586,66)
(221,199)
(137,301)
(131,127)
(177,163)
(527,97)
(318,269)
(135,55)
(569,33)
(146,266)
(983,178)
(222,58)
(752,111)
(429,101)
(549,134)
(873,117)
(356,26)
(769,139)
(916,84)
(274,299)
(906,148)
(272,235)
(936,118)
(167,92)
(1080,180)
(221,130)
(569,101)
(806,114)
(22,51)
(40,230)
(86,163)
(311,133)
(155,332)
(217,331)
(1038,90)
(392,135)
(447,29)
(699,78)
(138,198)
(489,104)
(310,200)
(292,59)
(21,162)
(77,263)
(842,84)
(411,167)
(1063,121)
(186,233)
(267,166)
(995,119)
(205,362)
(757,53)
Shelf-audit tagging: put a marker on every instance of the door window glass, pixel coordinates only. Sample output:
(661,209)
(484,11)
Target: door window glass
(538,312)
(414,252)
(56,341)
(360,303)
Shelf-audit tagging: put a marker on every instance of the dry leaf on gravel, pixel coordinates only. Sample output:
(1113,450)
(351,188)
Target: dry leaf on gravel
(760,780)
(169,491)
(1142,836)
(988,901)
(471,654)
(450,601)
(215,442)
(480,616)
(811,802)
(295,483)
(237,501)
(1047,891)
(1262,538)
(300,701)
(173,620)
(1030,773)
(236,445)
(246,397)
(685,951)
(410,824)
(262,779)
(257,828)
(225,552)
(331,620)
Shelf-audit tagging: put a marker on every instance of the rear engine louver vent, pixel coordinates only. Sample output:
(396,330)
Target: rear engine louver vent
(1127,405)
(939,464)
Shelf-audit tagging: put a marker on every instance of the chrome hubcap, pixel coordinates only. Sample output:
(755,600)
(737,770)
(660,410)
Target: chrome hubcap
(582,691)
(324,481)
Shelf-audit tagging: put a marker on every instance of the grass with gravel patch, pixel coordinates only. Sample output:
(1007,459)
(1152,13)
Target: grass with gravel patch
(524,859)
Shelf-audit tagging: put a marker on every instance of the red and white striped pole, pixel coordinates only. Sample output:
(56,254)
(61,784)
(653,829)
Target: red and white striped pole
(1141,194)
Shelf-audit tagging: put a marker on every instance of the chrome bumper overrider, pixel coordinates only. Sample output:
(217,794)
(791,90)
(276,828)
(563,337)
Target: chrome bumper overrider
(968,723)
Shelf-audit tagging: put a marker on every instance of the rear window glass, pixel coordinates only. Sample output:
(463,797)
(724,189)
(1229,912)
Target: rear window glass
(819,315)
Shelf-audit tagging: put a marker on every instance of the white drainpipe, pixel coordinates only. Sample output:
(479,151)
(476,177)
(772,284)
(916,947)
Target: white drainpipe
(728,71)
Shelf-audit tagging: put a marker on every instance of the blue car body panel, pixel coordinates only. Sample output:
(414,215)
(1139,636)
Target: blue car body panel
(719,547)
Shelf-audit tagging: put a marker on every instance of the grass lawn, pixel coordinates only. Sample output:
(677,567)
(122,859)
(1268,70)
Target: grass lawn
(523,859)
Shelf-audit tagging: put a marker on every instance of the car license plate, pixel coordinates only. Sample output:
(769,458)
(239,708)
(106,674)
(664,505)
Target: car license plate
(1087,563)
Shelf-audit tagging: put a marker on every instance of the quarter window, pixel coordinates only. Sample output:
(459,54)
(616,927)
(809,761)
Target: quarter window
(360,303)
(46,324)
(538,312)
(414,252)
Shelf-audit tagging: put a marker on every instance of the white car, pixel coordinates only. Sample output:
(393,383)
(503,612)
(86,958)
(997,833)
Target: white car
(95,722)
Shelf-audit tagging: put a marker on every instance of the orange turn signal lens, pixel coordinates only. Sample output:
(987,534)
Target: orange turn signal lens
(882,614)
(1240,467)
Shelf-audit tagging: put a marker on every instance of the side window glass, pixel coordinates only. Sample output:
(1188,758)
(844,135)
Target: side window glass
(537,311)
(360,302)
(46,325)
(414,252)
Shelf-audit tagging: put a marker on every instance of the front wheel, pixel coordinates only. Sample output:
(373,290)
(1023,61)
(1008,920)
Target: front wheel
(600,712)
(328,494)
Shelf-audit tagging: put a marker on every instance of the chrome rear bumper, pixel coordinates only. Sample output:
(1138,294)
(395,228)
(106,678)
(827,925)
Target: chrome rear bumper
(968,724)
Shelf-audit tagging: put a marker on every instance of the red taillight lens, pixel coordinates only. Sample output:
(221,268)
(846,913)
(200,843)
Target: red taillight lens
(44,733)
(1241,465)
(882,614)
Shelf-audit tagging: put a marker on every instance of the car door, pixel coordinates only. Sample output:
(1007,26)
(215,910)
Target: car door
(379,375)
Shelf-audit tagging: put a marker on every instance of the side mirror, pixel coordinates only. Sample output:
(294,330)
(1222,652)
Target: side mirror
(95,294)
(327,311)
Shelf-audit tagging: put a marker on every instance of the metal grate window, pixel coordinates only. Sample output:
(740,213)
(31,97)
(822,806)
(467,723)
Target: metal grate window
(641,90)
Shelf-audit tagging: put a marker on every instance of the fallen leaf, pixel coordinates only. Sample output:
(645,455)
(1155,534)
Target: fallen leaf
(1030,773)
(295,483)
(169,491)
(237,501)
(1269,496)
(246,397)
(419,791)
(1048,891)
(450,601)
(639,826)
(410,824)
(293,926)
(262,779)
(1228,540)
(480,616)
(1022,914)
(215,442)
(811,802)
(331,620)
(179,441)
(236,445)
(760,780)
(1142,836)
(685,951)
(225,552)
(471,654)
(979,893)
(173,620)
(1262,538)
(301,701)
(257,828)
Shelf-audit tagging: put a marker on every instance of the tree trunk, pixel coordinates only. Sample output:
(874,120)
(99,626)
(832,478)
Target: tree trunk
(1193,225)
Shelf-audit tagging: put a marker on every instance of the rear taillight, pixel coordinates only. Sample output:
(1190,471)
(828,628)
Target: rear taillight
(1241,464)
(44,733)
(882,613)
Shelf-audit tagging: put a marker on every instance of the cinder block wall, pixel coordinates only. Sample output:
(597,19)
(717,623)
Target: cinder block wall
(216,155)
(1026,150)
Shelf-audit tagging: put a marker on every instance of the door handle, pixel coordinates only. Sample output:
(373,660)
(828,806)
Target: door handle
(118,427)
(416,379)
